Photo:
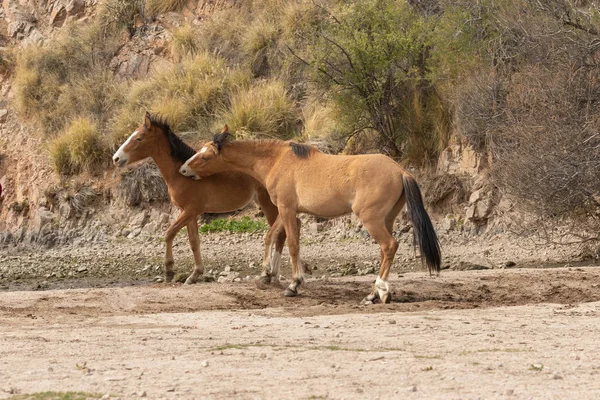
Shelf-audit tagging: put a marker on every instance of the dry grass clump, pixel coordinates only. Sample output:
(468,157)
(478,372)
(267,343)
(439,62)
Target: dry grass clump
(265,109)
(188,95)
(121,14)
(222,33)
(322,127)
(57,83)
(157,7)
(259,44)
(184,42)
(79,149)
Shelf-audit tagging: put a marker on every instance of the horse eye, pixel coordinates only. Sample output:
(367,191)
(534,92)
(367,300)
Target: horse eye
(139,139)
(204,158)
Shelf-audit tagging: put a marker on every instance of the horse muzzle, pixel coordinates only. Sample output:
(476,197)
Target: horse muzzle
(119,161)
(186,171)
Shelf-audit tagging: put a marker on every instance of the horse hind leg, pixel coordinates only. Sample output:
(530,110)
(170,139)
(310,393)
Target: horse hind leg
(290,223)
(274,242)
(179,223)
(194,238)
(378,228)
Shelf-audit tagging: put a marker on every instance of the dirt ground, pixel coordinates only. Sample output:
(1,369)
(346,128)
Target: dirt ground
(511,333)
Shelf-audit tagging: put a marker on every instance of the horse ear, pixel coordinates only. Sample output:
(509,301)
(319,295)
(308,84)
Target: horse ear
(147,120)
(225,129)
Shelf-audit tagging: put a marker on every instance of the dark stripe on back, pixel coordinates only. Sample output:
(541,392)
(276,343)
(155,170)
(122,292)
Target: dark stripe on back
(301,150)
(180,151)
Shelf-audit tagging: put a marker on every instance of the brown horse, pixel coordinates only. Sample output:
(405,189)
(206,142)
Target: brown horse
(300,178)
(222,193)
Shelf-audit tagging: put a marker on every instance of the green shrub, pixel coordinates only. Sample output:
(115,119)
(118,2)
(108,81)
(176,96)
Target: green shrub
(242,225)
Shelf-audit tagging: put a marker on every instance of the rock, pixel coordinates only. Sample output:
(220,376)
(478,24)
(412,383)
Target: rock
(3,115)
(556,376)
(139,220)
(475,196)
(82,269)
(449,223)
(42,218)
(204,363)
(151,228)
(134,233)
(510,264)
(471,263)
(412,388)
(316,227)
(509,392)
(142,394)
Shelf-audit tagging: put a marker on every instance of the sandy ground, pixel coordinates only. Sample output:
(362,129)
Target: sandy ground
(519,333)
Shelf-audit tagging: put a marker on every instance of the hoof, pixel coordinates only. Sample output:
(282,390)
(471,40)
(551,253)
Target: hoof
(190,280)
(169,276)
(372,298)
(290,293)
(265,279)
(387,298)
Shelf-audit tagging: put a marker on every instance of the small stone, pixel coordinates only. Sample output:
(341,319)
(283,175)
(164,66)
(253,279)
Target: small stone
(227,269)
(412,388)
(204,363)
(106,396)
(82,269)
(142,394)
(510,264)
(392,321)
(556,376)
(509,392)
(159,279)
(170,389)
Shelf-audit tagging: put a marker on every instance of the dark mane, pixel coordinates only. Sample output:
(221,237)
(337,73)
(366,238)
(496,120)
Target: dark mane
(302,150)
(221,139)
(180,151)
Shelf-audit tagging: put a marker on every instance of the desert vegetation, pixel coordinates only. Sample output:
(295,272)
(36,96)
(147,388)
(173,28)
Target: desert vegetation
(516,80)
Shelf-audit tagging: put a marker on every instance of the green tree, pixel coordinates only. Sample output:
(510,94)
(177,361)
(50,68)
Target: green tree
(372,58)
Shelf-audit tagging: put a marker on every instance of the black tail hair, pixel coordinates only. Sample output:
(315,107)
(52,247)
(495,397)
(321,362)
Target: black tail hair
(422,227)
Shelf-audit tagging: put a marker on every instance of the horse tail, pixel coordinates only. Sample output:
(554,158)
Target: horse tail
(423,231)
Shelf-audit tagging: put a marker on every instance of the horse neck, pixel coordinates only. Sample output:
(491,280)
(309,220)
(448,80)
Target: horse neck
(169,168)
(252,157)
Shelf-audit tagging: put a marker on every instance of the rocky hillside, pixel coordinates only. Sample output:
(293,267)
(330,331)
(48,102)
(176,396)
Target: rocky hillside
(103,63)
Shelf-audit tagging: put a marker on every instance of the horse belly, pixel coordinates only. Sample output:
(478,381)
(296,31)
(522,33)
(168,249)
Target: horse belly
(324,206)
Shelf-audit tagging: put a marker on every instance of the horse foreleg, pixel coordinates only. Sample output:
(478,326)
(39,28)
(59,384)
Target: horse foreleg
(194,238)
(290,223)
(179,223)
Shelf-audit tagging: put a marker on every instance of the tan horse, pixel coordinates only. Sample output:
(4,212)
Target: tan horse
(301,179)
(222,193)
